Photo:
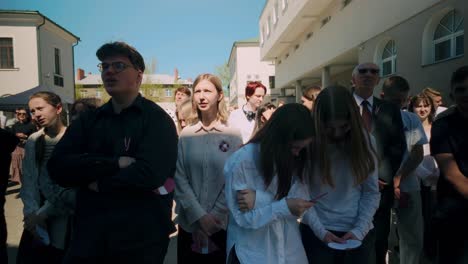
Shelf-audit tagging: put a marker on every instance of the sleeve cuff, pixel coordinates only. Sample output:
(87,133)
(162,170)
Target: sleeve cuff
(281,208)
(194,213)
(359,234)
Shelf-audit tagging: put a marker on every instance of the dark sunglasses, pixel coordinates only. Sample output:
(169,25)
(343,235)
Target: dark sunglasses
(118,66)
(365,70)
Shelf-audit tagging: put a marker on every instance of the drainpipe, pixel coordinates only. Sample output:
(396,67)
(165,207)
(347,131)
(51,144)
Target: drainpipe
(39,61)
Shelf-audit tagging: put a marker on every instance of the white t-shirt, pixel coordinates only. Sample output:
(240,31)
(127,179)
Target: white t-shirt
(415,135)
(237,119)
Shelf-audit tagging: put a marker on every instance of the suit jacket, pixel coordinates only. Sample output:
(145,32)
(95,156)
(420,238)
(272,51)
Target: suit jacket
(389,134)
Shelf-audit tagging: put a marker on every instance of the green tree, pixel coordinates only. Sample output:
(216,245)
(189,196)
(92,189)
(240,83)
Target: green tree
(222,71)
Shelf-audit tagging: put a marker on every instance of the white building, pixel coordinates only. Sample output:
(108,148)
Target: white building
(244,66)
(34,51)
(320,41)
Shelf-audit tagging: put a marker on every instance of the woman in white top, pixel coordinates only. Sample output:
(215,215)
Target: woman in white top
(48,208)
(203,149)
(423,106)
(345,177)
(266,190)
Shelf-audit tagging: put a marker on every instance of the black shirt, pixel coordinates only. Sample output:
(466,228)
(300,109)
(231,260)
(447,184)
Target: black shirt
(449,135)
(8,142)
(125,212)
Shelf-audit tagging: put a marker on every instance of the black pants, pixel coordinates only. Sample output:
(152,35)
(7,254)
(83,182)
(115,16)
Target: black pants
(382,224)
(452,241)
(186,255)
(31,251)
(318,252)
(3,226)
(153,254)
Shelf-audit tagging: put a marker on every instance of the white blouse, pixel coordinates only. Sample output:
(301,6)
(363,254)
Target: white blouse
(269,233)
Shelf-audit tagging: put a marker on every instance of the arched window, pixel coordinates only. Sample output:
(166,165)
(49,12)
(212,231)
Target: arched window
(448,37)
(389,56)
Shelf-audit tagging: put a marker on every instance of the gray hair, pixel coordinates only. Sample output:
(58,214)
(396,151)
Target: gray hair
(355,70)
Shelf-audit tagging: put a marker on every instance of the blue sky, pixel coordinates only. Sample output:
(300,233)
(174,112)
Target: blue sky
(193,35)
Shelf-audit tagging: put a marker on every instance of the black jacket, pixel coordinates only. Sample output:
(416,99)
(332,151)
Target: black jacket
(125,213)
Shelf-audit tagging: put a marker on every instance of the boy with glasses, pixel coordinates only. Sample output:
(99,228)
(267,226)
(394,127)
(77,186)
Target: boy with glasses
(122,158)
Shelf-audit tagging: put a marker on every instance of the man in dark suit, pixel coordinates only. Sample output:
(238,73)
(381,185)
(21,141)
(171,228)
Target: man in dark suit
(122,159)
(383,121)
(8,142)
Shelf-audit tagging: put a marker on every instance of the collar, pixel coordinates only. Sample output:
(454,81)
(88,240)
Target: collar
(218,127)
(108,109)
(359,100)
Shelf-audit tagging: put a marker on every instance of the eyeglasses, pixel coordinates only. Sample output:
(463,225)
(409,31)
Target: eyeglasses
(118,66)
(371,70)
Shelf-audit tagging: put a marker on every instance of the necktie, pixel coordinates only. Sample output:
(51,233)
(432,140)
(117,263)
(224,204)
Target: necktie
(366,115)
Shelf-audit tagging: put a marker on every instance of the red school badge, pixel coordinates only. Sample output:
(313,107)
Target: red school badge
(224,146)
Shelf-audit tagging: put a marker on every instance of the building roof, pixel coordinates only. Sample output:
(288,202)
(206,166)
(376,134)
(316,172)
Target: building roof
(95,79)
(250,40)
(32,12)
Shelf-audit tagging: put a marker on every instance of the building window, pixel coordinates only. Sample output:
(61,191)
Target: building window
(98,94)
(284,4)
(271,81)
(389,56)
(58,79)
(448,37)
(275,13)
(168,92)
(6,53)
(268,28)
(83,94)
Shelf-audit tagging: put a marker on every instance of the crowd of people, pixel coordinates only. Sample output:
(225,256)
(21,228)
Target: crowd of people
(315,182)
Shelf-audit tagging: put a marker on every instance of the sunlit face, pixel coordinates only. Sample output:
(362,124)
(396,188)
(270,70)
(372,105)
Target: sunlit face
(206,97)
(45,114)
(180,97)
(257,98)
(337,130)
(423,110)
(118,81)
(298,145)
(307,103)
(21,115)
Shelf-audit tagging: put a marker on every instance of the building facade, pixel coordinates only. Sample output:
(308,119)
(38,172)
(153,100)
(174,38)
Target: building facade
(159,88)
(35,51)
(244,66)
(321,41)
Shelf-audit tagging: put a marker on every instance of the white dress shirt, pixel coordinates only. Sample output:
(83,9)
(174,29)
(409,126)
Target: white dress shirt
(269,233)
(237,119)
(359,101)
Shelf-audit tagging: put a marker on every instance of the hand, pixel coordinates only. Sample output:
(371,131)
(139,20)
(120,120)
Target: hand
(246,200)
(209,224)
(298,206)
(382,184)
(330,237)
(200,239)
(21,135)
(93,187)
(396,186)
(349,236)
(125,161)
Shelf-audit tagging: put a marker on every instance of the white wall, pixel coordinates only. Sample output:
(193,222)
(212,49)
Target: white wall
(348,28)
(25,74)
(48,41)
(249,63)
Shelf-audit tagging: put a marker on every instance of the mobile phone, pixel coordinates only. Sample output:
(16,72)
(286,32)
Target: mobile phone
(314,200)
